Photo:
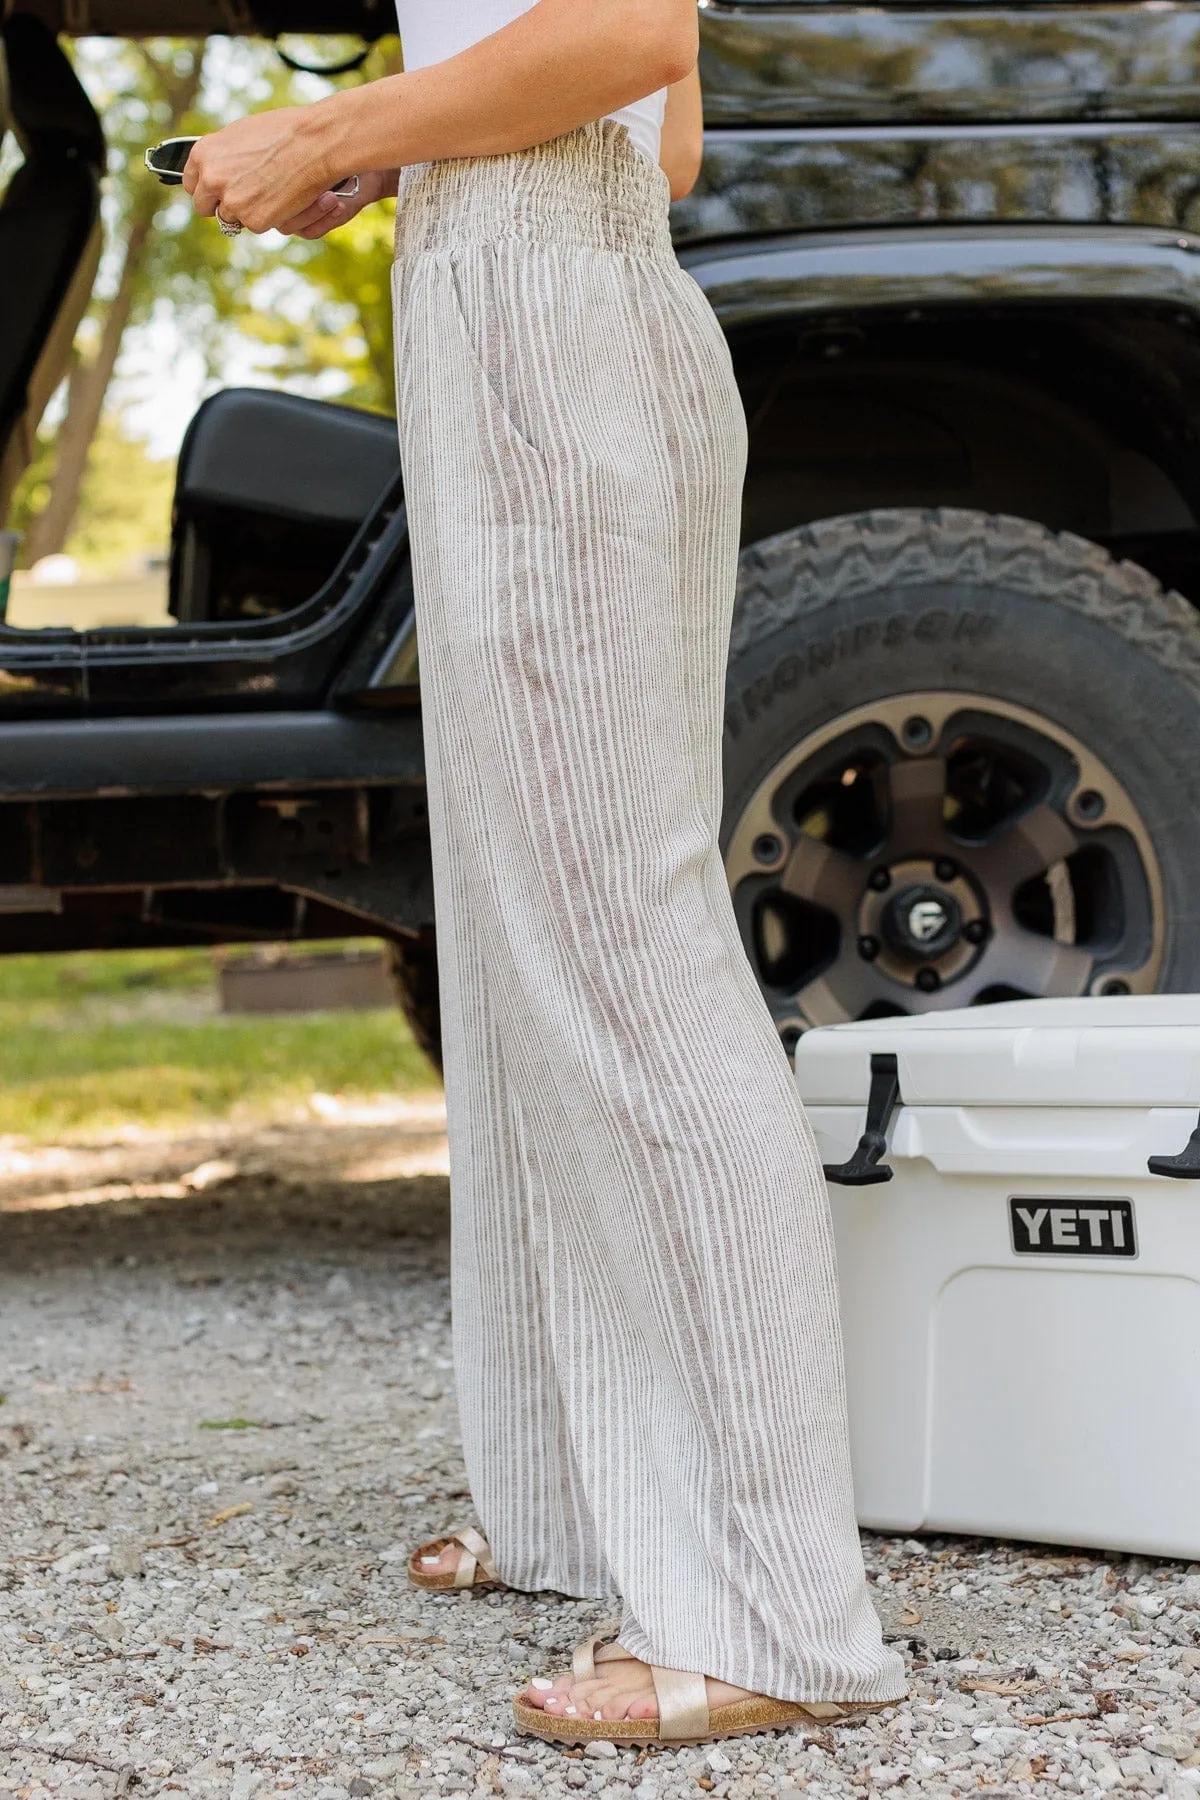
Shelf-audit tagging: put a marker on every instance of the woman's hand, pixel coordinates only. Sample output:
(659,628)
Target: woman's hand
(556,66)
(268,171)
(328,211)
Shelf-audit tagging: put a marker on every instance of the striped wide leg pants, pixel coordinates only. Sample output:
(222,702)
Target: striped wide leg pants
(645,1308)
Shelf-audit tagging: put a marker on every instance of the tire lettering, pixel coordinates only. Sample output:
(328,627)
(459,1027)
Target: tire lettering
(757,697)
(824,653)
(931,627)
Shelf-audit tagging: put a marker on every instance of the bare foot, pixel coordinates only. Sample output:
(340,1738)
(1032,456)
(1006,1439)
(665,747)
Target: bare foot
(444,1563)
(620,1690)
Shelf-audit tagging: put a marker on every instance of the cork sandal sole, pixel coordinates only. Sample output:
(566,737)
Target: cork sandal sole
(743,1718)
(683,1709)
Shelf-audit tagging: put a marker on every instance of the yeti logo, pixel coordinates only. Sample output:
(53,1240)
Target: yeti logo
(1045,1227)
(926,919)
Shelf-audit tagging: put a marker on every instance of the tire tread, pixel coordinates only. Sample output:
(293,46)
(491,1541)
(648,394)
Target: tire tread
(802,571)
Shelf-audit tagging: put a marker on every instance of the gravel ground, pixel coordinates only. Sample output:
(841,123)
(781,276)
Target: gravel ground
(228,1413)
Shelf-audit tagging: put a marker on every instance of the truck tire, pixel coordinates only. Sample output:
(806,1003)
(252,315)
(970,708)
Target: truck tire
(962,761)
(415,983)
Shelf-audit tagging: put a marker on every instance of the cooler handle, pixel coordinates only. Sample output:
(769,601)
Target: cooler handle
(864,1166)
(1185,1166)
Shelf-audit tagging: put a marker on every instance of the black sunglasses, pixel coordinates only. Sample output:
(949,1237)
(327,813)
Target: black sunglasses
(169,159)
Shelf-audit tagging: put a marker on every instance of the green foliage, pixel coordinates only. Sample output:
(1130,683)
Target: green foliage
(33,489)
(326,311)
(92,1041)
(125,504)
(318,315)
(61,983)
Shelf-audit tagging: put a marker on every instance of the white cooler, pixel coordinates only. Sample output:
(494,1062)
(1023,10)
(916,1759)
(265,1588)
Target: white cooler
(1021,1300)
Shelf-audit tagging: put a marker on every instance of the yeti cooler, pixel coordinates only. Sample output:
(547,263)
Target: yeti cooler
(1016,1200)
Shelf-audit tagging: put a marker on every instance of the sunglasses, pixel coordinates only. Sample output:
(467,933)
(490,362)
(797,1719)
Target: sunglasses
(169,159)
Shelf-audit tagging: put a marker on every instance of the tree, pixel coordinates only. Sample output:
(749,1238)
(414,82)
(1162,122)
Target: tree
(321,312)
(166,89)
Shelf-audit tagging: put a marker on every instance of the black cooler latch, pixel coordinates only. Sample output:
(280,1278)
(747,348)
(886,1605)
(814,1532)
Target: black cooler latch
(864,1167)
(1185,1166)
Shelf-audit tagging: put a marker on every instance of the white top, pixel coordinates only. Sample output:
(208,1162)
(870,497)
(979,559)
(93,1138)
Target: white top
(432,30)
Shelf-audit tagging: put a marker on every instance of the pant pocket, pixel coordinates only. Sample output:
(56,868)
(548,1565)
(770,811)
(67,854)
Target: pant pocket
(491,347)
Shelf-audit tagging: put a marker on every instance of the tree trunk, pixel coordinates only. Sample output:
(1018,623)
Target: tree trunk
(88,382)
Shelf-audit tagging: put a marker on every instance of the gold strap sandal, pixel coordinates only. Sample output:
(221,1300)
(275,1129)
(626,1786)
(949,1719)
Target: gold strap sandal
(475,1568)
(684,1715)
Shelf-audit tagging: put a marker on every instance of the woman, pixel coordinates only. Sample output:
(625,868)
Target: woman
(647,1344)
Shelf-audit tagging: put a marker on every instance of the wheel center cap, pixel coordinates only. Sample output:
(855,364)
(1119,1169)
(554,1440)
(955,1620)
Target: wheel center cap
(922,921)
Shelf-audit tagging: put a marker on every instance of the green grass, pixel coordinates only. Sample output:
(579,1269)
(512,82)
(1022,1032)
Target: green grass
(88,1042)
(58,982)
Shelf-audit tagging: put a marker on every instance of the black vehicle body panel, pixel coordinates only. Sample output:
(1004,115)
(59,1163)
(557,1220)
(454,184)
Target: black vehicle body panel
(799,272)
(974,63)
(883,175)
(117,757)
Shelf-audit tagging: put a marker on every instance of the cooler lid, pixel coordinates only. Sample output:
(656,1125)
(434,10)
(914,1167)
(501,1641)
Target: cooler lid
(1127,1050)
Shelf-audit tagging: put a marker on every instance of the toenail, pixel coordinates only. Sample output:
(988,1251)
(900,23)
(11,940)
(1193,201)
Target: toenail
(598,1715)
(428,1560)
(571,1710)
(542,1683)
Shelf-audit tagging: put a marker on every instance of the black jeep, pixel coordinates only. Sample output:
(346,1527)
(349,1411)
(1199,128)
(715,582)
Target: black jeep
(952,248)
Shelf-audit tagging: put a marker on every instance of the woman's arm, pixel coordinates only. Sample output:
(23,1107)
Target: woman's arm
(683,135)
(557,66)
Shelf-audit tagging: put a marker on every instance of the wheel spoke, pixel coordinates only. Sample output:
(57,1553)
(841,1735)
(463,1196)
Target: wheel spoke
(916,792)
(1025,848)
(842,992)
(1033,964)
(824,876)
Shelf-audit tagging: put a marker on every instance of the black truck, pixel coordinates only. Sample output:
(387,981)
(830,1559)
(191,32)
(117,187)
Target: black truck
(956,251)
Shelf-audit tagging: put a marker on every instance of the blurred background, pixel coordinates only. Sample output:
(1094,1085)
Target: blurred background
(179,311)
(146,1043)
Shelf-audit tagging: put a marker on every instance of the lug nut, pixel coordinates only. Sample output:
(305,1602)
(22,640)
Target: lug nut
(1115,987)
(916,733)
(868,947)
(928,980)
(880,879)
(945,869)
(975,931)
(1090,804)
(767,847)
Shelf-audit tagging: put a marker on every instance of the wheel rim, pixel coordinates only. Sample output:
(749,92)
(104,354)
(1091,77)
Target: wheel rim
(937,850)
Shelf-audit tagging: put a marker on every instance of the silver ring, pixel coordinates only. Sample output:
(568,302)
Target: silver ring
(229,227)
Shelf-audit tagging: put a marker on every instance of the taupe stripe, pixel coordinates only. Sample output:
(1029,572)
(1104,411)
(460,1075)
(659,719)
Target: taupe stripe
(647,1344)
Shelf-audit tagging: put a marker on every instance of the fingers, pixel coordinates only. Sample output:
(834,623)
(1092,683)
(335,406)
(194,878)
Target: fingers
(204,195)
(314,221)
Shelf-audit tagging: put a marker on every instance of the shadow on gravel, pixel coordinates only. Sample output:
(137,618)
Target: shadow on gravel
(252,1214)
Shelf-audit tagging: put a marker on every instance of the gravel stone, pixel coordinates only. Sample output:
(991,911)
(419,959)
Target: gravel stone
(228,1417)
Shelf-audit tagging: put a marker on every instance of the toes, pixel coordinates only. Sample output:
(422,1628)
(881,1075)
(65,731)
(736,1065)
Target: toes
(612,1700)
(555,1697)
(599,1699)
(440,1562)
(539,1691)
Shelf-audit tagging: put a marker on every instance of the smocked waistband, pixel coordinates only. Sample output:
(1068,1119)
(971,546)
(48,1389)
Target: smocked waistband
(590,188)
